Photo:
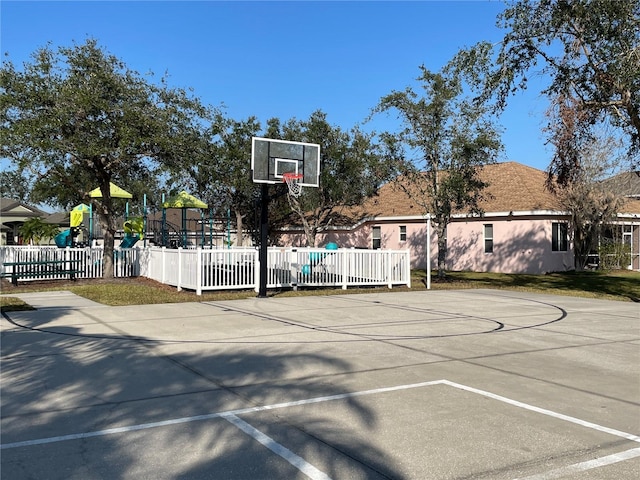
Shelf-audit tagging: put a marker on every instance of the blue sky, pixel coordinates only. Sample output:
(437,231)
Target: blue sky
(282,59)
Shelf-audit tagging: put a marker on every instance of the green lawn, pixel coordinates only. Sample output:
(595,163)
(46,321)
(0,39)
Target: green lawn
(617,285)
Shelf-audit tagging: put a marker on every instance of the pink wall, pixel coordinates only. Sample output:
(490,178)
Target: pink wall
(519,245)
(357,238)
(362,237)
(415,240)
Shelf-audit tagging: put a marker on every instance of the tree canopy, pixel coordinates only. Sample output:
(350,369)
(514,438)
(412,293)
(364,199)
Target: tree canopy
(589,50)
(351,169)
(80,119)
(35,229)
(444,139)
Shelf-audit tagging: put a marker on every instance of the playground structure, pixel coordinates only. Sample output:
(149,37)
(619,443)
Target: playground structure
(190,231)
(183,202)
(317,259)
(133,231)
(67,238)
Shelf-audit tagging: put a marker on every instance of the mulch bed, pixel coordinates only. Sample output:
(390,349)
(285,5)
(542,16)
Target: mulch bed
(7,287)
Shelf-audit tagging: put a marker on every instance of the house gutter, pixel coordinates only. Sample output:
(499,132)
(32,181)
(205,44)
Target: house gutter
(423,218)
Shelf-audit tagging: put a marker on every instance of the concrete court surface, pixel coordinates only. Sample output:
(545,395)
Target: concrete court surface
(473,384)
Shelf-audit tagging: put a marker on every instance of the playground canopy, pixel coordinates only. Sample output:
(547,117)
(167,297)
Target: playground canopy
(77,213)
(116,192)
(183,201)
(82,207)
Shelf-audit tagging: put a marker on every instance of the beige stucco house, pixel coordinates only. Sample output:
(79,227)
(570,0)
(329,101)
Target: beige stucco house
(523,229)
(13,213)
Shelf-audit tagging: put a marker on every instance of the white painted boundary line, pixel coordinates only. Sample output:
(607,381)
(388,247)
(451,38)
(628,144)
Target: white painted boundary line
(298,462)
(210,416)
(581,467)
(560,416)
(231,416)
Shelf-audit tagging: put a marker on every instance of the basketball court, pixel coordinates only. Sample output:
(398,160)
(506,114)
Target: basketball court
(422,385)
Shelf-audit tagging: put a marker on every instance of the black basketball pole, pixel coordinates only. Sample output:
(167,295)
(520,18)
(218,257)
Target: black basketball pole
(264,237)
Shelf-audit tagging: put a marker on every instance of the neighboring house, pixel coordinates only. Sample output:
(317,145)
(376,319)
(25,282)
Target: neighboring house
(626,229)
(13,214)
(627,184)
(523,229)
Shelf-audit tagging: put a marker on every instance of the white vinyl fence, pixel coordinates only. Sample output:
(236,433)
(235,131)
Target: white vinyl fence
(88,261)
(235,268)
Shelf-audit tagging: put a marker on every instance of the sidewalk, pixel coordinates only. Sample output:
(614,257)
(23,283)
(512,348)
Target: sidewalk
(57,299)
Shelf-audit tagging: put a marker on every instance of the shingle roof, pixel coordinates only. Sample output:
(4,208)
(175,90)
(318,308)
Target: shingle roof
(626,183)
(512,187)
(516,187)
(58,218)
(631,206)
(15,208)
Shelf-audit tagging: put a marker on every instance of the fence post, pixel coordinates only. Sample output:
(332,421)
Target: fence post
(407,257)
(256,271)
(67,258)
(163,265)
(179,286)
(345,254)
(428,251)
(199,271)
(389,269)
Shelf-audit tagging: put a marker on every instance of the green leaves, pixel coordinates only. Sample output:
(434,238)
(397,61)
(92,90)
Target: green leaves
(352,167)
(80,118)
(35,229)
(587,49)
(444,138)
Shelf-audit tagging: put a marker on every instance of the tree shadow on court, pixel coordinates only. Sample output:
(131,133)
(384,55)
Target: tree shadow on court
(60,382)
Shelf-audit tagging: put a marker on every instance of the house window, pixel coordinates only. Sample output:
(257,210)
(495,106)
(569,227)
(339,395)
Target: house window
(376,238)
(559,242)
(627,235)
(403,233)
(488,238)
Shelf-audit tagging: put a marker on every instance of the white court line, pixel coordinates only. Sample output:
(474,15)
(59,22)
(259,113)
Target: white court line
(242,411)
(298,462)
(560,416)
(583,466)
(234,413)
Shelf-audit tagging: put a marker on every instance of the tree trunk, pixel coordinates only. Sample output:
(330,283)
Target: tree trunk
(107,259)
(309,232)
(107,223)
(239,229)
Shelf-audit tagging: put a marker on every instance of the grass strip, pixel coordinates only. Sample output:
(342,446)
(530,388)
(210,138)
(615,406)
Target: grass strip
(620,285)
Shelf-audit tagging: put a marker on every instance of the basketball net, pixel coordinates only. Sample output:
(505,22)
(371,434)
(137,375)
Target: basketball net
(293,182)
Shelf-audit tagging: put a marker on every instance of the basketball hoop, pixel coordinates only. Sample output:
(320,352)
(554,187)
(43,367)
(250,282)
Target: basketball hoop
(293,182)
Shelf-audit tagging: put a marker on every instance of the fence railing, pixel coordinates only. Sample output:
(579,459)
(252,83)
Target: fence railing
(236,268)
(88,261)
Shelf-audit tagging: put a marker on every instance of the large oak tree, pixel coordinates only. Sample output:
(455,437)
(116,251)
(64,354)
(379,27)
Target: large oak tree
(587,50)
(80,118)
(444,139)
